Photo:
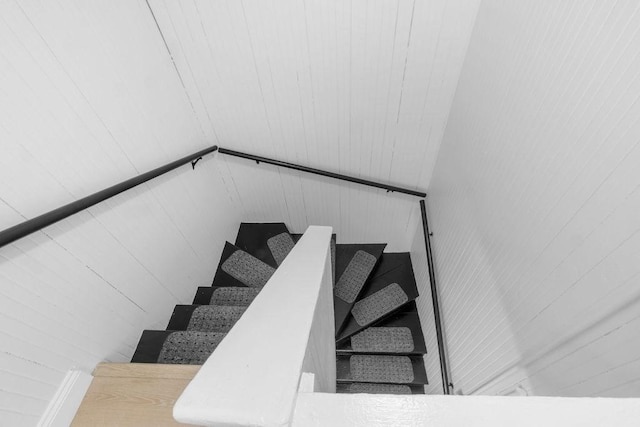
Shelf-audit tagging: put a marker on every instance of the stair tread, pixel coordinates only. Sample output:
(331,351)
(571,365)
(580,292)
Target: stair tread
(393,268)
(354,387)
(204,295)
(204,318)
(404,319)
(151,344)
(252,237)
(354,265)
(246,267)
(381,369)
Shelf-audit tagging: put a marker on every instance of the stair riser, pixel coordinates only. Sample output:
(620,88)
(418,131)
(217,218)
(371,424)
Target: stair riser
(190,317)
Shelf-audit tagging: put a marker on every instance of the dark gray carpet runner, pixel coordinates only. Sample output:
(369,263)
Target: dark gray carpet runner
(377,305)
(354,277)
(381,369)
(234,296)
(383,339)
(189,347)
(247,269)
(214,318)
(280,246)
(379,388)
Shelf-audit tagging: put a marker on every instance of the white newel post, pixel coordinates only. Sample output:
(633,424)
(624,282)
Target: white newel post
(320,357)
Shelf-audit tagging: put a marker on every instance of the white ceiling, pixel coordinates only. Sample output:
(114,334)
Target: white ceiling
(363,87)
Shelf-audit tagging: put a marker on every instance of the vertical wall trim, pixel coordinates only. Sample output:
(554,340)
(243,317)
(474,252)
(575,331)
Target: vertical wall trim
(67,399)
(153,15)
(173,61)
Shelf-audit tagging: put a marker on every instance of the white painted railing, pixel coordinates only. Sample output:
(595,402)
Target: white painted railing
(253,376)
(367,410)
(277,368)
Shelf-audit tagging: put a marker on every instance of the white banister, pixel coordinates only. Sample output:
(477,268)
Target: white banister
(369,410)
(252,378)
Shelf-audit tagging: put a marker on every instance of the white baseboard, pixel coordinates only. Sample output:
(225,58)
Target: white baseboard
(66,401)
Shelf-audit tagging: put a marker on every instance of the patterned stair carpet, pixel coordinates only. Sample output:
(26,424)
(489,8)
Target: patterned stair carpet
(377,305)
(380,343)
(389,289)
(381,369)
(383,339)
(247,269)
(355,276)
(214,318)
(234,296)
(189,347)
(355,263)
(280,246)
(254,238)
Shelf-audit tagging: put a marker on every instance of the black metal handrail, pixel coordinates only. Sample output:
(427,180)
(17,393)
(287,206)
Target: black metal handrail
(32,225)
(447,385)
(315,171)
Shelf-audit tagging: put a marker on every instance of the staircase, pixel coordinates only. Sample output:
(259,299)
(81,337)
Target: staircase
(379,341)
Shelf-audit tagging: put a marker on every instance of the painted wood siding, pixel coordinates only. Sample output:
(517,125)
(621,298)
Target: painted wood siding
(359,87)
(89,97)
(535,202)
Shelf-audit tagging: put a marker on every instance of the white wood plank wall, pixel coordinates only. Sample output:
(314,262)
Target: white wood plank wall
(89,97)
(360,87)
(95,92)
(535,202)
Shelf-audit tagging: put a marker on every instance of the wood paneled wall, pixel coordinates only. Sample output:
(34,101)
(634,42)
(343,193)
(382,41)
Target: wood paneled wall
(357,87)
(89,97)
(535,202)
(92,93)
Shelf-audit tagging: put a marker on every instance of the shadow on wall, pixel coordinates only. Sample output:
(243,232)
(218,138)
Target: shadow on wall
(474,312)
(535,200)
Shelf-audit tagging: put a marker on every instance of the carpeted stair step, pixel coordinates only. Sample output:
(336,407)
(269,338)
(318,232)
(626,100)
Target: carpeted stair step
(176,347)
(270,242)
(354,265)
(239,268)
(377,388)
(386,369)
(205,318)
(225,295)
(391,286)
(400,333)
